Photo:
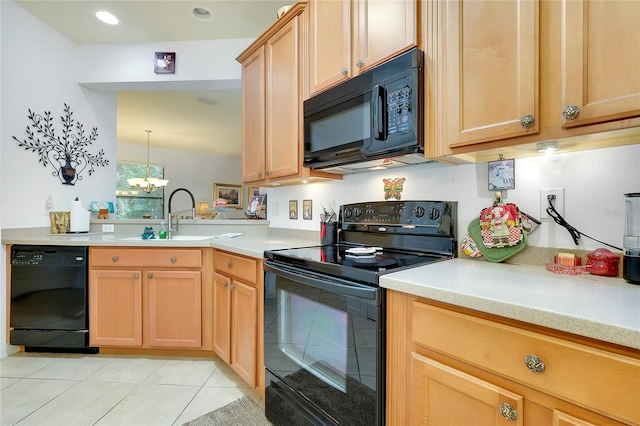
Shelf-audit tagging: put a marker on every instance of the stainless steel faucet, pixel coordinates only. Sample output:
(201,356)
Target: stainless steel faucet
(172,231)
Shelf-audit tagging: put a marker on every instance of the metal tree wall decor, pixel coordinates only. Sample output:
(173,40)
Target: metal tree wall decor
(67,153)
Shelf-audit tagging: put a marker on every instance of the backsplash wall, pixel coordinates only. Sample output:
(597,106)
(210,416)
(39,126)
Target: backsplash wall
(594,183)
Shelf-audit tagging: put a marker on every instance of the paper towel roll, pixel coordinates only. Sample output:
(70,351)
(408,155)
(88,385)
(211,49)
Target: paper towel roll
(80,217)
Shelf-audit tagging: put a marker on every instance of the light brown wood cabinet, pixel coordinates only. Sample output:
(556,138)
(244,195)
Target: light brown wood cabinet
(473,368)
(145,298)
(484,87)
(273,87)
(347,37)
(237,321)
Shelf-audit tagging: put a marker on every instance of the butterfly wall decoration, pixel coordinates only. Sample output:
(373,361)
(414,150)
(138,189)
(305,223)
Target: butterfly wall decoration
(393,188)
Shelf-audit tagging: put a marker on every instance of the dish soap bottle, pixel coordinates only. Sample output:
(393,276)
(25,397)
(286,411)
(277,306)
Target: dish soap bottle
(163,232)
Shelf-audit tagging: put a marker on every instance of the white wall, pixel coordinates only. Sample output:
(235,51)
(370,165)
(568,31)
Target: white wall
(594,183)
(39,72)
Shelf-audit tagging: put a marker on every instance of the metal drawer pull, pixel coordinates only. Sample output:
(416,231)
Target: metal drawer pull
(229,265)
(570,112)
(508,412)
(359,64)
(534,363)
(527,121)
(344,71)
(114,258)
(174,260)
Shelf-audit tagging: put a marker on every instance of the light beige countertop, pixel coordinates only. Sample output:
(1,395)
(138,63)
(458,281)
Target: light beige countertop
(602,308)
(255,239)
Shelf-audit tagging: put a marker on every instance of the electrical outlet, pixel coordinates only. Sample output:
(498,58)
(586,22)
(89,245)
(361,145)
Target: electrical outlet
(558,201)
(109,228)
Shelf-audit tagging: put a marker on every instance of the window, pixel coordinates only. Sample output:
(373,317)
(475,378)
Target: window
(132,203)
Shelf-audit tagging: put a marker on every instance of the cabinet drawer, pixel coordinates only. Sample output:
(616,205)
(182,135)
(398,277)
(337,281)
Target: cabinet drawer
(580,374)
(235,266)
(141,258)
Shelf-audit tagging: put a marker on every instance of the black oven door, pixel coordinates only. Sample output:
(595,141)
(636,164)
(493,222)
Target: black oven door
(324,349)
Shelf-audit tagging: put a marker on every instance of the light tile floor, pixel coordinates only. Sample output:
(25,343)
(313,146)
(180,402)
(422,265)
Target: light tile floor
(113,390)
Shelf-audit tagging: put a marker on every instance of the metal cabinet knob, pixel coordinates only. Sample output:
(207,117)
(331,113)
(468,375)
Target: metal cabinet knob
(534,363)
(527,121)
(174,260)
(267,173)
(136,275)
(570,112)
(508,412)
(344,71)
(114,258)
(149,275)
(229,265)
(226,283)
(260,173)
(359,64)
(232,286)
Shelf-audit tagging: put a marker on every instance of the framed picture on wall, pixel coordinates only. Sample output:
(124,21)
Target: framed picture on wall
(165,63)
(293,209)
(502,174)
(230,192)
(307,209)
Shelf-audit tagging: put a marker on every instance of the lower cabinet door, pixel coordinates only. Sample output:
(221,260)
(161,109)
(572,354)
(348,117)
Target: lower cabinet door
(115,308)
(442,395)
(244,334)
(222,317)
(175,309)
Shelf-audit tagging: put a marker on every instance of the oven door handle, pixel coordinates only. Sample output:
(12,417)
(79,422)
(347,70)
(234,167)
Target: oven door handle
(332,284)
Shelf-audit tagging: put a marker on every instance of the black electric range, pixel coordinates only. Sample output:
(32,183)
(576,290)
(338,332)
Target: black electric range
(325,313)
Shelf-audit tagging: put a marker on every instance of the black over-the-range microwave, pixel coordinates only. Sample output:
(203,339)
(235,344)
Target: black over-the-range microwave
(373,118)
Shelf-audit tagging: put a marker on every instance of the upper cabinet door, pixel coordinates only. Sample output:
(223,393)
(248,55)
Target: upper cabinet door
(383,28)
(491,70)
(253,125)
(329,43)
(283,102)
(601,52)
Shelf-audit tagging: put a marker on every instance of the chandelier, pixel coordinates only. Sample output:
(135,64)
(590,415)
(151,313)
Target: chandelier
(148,184)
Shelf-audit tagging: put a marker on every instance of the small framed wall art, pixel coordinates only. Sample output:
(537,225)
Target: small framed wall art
(502,174)
(307,209)
(293,209)
(165,63)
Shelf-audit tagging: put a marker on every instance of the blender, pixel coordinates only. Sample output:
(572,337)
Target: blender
(631,243)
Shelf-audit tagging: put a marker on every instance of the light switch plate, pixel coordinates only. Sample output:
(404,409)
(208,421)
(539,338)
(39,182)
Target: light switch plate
(110,227)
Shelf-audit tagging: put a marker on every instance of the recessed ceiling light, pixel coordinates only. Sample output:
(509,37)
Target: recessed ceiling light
(201,13)
(107,17)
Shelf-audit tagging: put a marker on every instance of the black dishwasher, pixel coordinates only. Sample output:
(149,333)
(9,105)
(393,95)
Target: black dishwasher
(49,298)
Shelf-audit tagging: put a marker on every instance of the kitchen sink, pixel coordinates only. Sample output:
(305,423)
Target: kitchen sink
(174,238)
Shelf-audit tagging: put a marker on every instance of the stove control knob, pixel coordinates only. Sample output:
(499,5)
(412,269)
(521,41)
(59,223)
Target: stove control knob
(434,213)
(358,211)
(419,211)
(348,213)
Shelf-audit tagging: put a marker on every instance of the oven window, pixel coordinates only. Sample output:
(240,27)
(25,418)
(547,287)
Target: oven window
(315,338)
(324,346)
